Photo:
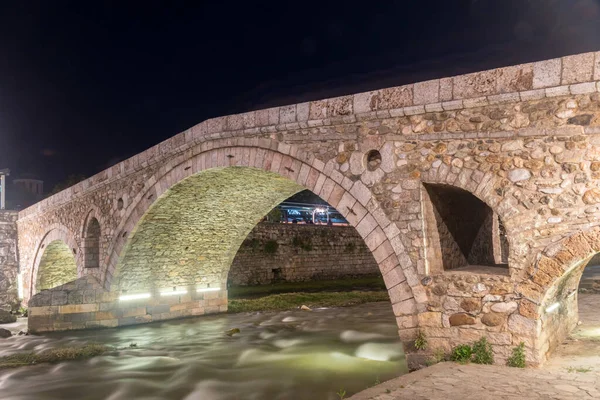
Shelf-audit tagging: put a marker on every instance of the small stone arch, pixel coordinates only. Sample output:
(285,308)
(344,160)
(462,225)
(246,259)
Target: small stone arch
(91,235)
(56,232)
(352,199)
(480,186)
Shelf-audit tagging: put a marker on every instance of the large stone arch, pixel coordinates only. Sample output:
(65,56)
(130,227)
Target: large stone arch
(550,292)
(352,199)
(55,232)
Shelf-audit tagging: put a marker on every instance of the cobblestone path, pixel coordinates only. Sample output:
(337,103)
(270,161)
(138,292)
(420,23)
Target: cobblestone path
(449,381)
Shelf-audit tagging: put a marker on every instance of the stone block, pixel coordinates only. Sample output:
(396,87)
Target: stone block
(513,79)
(366,102)
(426,92)
(547,73)
(77,308)
(577,68)
(475,85)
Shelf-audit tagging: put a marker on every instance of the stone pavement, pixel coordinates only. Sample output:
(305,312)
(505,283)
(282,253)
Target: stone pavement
(449,381)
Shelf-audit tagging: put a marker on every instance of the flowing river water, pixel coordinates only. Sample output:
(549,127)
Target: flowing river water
(289,355)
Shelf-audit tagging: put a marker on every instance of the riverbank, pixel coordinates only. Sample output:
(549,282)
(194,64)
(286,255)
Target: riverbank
(312,294)
(293,301)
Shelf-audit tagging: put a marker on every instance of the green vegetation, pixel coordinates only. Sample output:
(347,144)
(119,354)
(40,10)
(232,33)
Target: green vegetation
(462,354)
(517,359)
(350,247)
(291,301)
(341,394)
(253,243)
(372,283)
(578,369)
(53,355)
(274,215)
(482,352)
(437,357)
(271,247)
(420,341)
(304,243)
(479,353)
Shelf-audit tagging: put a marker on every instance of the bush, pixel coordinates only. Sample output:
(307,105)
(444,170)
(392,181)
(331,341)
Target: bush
(420,341)
(482,352)
(271,247)
(517,359)
(462,353)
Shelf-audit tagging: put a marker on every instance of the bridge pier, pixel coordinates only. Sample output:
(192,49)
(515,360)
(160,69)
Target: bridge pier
(84,304)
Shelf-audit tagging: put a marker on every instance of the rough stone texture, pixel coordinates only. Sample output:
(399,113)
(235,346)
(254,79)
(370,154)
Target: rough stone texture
(481,128)
(57,266)
(304,252)
(191,236)
(84,304)
(9,265)
(450,381)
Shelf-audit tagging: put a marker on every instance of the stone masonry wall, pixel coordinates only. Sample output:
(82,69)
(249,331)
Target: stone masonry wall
(302,252)
(84,304)
(9,263)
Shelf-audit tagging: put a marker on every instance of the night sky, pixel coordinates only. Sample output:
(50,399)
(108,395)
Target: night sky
(84,86)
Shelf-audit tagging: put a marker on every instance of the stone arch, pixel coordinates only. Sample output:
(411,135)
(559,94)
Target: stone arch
(550,291)
(91,234)
(483,187)
(352,199)
(55,233)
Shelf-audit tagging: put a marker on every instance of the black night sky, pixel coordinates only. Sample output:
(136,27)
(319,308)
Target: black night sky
(84,85)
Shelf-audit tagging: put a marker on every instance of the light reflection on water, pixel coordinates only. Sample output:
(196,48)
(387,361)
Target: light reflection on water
(292,355)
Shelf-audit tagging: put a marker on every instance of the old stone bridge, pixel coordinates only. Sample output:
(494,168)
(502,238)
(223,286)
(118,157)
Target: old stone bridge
(478,196)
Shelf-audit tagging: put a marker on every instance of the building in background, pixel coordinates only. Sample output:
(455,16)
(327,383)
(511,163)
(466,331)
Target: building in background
(3,174)
(26,189)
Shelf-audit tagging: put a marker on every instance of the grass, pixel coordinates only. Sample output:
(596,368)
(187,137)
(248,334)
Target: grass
(373,283)
(291,301)
(578,369)
(53,355)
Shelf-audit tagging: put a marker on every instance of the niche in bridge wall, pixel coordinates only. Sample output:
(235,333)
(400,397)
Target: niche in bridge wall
(461,230)
(91,244)
(57,266)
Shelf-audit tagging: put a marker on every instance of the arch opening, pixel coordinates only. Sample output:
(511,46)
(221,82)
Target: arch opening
(185,243)
(190,235)
(91,244)
(462,232)
(304,239)
(57,266)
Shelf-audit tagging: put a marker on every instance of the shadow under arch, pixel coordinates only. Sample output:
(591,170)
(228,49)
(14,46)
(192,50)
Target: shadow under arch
(352,199)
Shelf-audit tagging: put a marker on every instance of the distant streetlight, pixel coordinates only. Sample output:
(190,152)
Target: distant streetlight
(3,174)
(320,211)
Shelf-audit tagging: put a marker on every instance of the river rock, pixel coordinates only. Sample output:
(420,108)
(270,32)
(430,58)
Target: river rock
(519,174)
(505,307)
(5,333)
(591,196)
(461,319)
(492,319)
(470,305)
(6,317)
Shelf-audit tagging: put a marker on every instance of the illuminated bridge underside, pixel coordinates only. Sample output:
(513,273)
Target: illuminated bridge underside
(190,236)
(57,266)
(478,196)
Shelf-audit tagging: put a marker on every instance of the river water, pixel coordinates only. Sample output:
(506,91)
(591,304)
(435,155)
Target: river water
(291,355)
